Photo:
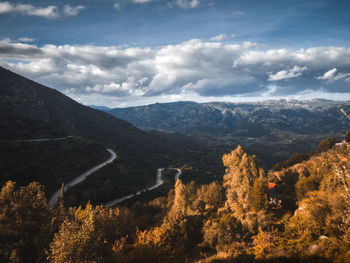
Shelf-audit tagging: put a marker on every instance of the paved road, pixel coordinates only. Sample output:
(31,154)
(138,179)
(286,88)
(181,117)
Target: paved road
(158,183)
(82,177)
(177,176)
(41,140)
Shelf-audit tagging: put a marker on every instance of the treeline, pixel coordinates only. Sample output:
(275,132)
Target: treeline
(298,214)
(324,146)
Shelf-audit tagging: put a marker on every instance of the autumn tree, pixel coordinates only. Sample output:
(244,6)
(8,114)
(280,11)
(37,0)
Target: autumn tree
(259,199)
(79,239)
(212,194)
(180,205)
(222,231)
(24,223)
(327,144)
(242,171)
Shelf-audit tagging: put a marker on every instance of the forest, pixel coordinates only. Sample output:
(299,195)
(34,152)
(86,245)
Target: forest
(298,212)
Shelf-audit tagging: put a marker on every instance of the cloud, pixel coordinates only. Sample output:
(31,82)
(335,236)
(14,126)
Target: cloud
(72,11)
(26,39)
(142,1)
(193,69)
(287,74)
(51,11)
(328,75)
(332,75)
(219,38)
(186,4)
(116,6)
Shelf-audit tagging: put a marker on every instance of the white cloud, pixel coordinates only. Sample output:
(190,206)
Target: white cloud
(116,6)
(191,69)
(332,75)
(26,39)
(287,74)
(142,1)
(72,11)
(51,11)
(219,38)
(328,75)
(186,4)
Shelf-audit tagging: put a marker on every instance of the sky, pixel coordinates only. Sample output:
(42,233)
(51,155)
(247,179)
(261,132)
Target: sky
(134,52)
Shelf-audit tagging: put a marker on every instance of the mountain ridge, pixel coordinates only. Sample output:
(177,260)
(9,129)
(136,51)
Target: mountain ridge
(220,118)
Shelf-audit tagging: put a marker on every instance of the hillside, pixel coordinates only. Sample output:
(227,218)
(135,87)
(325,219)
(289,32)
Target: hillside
(29,110)
(298,214)
(273,129)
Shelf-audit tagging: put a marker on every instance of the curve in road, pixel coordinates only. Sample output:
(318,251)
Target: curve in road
(158,183)
(177,176)
(82,177)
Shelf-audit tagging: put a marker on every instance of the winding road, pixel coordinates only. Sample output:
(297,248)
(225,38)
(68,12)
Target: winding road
(158,183)
(177,176)
(41,140)
(54,198)
(82,177)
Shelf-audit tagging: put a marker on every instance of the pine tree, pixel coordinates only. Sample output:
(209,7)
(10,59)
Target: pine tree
(259,195)
(241,173)
(180,206)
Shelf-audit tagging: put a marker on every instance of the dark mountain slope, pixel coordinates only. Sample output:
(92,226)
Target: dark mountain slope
(29,110)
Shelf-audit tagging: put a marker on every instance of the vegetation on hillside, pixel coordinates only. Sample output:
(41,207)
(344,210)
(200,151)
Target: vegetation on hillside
(300,213)
(49,162)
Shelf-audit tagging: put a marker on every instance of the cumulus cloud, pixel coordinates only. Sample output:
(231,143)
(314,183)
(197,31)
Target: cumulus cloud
(287,74)
(51,11)
(192,69)
(332,75)
(328,75)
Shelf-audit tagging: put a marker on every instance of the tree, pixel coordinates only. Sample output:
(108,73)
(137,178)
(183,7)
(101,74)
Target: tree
(24,223)
(212,194)
(264,242)
(259,199)
(79,240)
(222,231)
(242,171)
(180,206)
(327,144)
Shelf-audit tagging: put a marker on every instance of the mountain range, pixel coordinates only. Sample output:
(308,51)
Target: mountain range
(239,119)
